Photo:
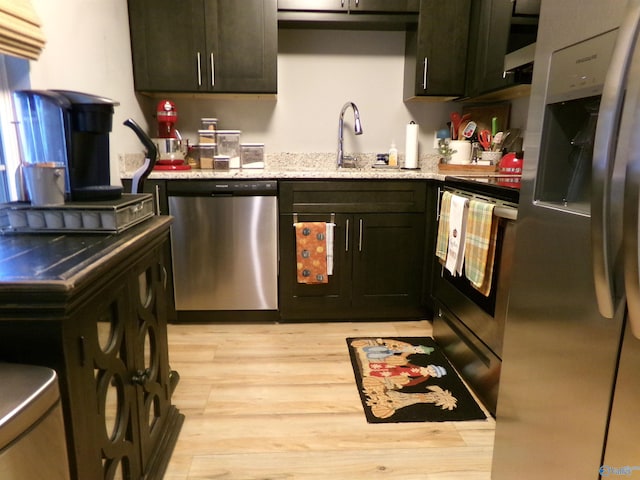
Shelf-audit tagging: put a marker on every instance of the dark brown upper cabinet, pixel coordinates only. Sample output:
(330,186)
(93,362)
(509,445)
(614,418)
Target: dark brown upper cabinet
(388,6)
(204,46)
(499,27)
(436,51)
(348,14)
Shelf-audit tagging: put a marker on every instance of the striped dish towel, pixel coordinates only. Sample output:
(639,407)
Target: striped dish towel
(443,227)
(480,245)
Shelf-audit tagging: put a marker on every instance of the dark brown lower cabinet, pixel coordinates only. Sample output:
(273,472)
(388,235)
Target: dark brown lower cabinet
(378,249)
(93,308)
(387,264)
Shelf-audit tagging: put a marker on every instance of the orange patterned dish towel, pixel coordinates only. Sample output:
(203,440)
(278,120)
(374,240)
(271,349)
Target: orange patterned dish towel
(311,252)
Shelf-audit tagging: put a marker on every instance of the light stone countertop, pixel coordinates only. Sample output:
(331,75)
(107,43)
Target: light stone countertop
(298,166)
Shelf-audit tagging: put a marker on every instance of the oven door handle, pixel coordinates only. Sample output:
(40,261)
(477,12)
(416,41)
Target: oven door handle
(604,150)
(507,213)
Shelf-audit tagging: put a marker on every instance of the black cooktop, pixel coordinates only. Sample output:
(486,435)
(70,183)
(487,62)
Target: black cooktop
(506,188)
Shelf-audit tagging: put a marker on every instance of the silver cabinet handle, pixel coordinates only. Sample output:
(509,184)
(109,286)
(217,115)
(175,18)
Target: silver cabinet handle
(213,71)
(604,150)
(440,193)
(360,236)
(199,69)
(157,189)
(630,241)
(346,236)
(425,67)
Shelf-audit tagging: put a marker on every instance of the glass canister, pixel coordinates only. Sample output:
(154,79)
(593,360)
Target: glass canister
(252,155)
(229,144)
(206,136)
(206,153)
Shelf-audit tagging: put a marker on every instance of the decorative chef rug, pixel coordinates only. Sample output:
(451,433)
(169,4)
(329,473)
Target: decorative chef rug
(408,379)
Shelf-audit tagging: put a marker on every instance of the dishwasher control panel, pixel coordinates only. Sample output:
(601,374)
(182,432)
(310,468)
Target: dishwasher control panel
(213,188)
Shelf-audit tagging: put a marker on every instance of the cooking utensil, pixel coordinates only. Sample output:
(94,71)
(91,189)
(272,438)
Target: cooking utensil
(455,124)
(484,138)
(496,142)
(469,130)
(505,137)
(510,138)
(466,118)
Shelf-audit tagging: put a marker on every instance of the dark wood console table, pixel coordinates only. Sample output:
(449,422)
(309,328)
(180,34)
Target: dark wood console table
(93,307)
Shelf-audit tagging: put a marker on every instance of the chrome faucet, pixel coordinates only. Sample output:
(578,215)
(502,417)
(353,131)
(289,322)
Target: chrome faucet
(357,127)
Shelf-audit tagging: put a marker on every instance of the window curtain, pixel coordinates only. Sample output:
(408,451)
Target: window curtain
(20,32)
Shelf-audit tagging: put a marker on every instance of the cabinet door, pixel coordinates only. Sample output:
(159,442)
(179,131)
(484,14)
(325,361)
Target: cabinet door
(167,42)
(158,188)
(149,354)
(436,53)
(316,301)
(109,396)
(488,39)
(388,262)
(161,207)
(242,46)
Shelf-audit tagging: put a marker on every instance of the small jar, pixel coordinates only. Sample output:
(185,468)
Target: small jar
(221,162)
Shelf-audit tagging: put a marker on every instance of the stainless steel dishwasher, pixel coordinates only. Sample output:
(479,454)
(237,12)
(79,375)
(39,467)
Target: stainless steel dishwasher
(224,244)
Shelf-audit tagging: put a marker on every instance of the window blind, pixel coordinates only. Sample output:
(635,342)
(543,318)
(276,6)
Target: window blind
(20,32)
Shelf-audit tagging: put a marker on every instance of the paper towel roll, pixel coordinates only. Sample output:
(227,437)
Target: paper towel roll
(411,146)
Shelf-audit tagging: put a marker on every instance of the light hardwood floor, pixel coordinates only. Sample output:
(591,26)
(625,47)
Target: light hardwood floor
(279,402)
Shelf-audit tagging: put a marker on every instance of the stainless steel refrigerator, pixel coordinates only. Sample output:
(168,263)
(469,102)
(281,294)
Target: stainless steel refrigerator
(569,399)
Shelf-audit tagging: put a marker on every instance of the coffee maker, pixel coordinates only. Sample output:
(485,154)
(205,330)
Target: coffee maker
(72,129)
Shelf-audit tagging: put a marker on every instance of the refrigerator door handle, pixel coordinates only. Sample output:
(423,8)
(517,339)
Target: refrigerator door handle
(604,150)
(630,239)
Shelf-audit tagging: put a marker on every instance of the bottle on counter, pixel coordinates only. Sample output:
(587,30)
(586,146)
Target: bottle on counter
(393,155)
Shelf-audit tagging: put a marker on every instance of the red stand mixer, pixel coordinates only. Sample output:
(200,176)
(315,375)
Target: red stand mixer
(167,116)
(171,147)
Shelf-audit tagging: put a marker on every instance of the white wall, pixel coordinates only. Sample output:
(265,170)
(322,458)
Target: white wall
(318,71)
(88,50)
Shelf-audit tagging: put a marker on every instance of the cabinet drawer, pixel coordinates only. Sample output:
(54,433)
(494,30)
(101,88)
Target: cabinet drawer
(352,196)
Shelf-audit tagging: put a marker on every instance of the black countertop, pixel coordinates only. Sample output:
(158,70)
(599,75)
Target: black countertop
(59,263)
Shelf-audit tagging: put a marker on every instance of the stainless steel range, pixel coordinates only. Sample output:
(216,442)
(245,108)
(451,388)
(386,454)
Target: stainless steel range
(469,325)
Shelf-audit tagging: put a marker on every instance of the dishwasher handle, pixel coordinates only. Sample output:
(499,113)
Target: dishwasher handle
(209,188)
